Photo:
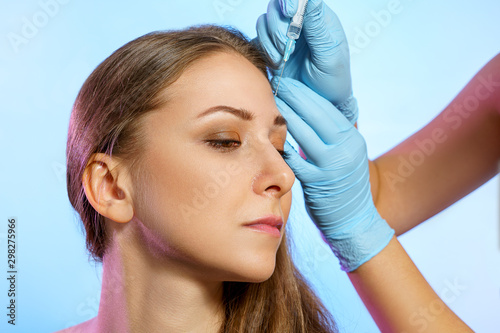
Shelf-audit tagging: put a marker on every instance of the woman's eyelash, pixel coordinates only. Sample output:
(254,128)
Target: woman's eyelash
(226,145)
(284,154)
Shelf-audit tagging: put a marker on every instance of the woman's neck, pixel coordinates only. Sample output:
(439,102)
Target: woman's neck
(142,293)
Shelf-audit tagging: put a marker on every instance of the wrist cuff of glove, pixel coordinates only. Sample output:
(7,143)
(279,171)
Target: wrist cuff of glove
(356,249)
(349,109)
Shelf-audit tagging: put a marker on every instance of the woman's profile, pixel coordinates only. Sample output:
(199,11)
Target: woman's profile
(175,166)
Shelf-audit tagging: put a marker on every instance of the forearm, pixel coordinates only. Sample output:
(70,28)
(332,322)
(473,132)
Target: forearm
(454,154)
(399,298)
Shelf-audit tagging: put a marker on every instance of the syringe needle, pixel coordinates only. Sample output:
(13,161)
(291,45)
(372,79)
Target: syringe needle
(279,80)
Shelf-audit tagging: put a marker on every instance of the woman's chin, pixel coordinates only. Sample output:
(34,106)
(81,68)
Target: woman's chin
(253,273)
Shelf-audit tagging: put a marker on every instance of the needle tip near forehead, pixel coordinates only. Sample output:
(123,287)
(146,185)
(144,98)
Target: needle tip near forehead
(279,80)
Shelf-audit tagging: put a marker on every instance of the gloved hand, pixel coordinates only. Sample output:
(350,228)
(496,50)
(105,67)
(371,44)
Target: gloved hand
(335,176)
(321,56)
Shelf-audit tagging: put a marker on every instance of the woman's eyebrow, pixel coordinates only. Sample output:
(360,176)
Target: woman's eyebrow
(240,113)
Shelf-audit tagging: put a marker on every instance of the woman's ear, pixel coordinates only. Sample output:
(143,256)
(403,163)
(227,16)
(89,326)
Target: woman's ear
(108,188)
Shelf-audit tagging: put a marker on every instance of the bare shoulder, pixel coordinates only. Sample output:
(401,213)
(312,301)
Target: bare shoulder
(85,327)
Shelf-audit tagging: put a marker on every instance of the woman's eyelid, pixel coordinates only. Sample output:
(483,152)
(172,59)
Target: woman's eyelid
(224,135)
(227,145)
(274,131)
(276,135)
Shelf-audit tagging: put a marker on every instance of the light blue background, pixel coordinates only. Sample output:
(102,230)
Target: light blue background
(407,73)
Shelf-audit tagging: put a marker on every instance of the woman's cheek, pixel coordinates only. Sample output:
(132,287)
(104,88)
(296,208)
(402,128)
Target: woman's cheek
(286,204)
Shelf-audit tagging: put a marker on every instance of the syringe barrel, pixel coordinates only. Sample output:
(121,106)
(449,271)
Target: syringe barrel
(296,24)
(294,31)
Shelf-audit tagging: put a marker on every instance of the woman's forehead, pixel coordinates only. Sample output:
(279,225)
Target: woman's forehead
(221,79)
(218,68)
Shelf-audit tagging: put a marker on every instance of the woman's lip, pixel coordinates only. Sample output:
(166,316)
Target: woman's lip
(269,220)
(270,224)
(273,231)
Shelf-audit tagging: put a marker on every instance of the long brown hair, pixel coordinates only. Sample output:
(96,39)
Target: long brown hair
(106,118)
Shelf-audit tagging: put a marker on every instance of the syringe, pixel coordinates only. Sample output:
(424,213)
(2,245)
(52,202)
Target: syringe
(293,34)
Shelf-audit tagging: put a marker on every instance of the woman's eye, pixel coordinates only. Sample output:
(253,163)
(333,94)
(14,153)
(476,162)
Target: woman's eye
(224,145)
(228,145)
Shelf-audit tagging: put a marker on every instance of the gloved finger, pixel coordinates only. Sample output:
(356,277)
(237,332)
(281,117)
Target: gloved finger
(279,13)
(316,111)
(324,34)
(303,170)
(277,25)
(263,40)
(305,136)
(288,7)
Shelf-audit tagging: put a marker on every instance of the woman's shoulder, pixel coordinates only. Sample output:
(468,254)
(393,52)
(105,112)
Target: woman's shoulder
(85,327)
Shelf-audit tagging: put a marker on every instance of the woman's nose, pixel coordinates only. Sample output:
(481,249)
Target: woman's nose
(273,176)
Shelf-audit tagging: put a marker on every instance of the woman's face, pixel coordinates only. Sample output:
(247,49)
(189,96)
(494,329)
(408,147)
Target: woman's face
(211,166)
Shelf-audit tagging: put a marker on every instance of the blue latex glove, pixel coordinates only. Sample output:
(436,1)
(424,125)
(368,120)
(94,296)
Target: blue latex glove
(321,56)
(335,176)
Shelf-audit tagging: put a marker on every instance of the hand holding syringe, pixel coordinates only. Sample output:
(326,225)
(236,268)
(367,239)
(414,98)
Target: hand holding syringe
(293,34)
(321,55)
